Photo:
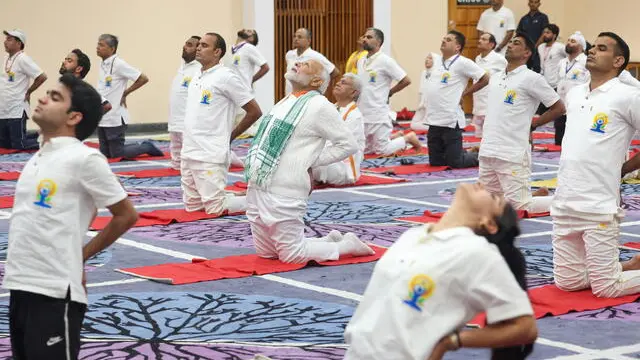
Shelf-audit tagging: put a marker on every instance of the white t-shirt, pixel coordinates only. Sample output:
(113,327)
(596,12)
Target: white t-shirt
(424,288)
(550,58)
(355,124)
(377,73)
(448,80)
(600,126)
(513,100)
(18,70)
(213,98)
(178,95)
(572,74)
(58,191)
(497,23)
(492,63)
(113,76)
(292,58)
(245,61)
(626,78)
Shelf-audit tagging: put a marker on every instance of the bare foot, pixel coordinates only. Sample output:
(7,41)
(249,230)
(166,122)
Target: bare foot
(633,264)
(413,140)
(474,149)
(543,191)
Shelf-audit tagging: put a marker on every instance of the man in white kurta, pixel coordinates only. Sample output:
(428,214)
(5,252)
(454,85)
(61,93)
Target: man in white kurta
(178,97)
(498,21)
(377,71)
(492,63)
(347,171)
(15,92)
(301,52)
(602,117)
(505,152)
(572,71)
(214,94)
(289,143)
(445,89)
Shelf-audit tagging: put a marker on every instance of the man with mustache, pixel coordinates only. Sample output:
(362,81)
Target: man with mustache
(78,64)
(301,52)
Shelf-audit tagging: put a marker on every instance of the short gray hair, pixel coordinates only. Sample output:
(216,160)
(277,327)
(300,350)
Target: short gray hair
(110,40)
(326,79)
(355,80)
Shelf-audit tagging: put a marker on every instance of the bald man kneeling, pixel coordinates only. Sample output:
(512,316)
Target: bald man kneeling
(290,141)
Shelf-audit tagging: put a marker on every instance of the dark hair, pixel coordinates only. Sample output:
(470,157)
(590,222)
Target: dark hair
(530,45)
(492,40)
(220,43)
(195,37)
(255,38)
(460,39)
(378,34)
(621,49)
(83,60)
(508,230)
(85,100)
(555,30)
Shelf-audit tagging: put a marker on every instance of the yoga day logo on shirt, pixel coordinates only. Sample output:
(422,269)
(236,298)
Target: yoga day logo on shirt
(510,98)
(45,191)
(186,81)
(421,288)
(206,97)
(11,75)
(575,74)
(107,81)
(600,122)
(501,23)
(372,76)
(445,78)
(236,60)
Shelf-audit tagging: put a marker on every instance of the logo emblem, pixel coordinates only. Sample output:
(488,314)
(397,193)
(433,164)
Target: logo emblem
(445,78)
(236,60)
(575,74)
(206,97)
(600,122)
(54,340)
(11,75)
(45,191)
(107,81)
(501,23)
(372,76)
(421,288)
(186,81)
(510,98)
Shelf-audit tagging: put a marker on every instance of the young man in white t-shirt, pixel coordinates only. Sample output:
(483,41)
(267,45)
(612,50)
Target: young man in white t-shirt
(551,54)
(492,63)
(505,151)
(498,21)
(188,69)
(572,71)
(15,92)
(60,189)
(347,171)
(377,71)
(113,77)
(445,89)
(602,117)
(215,93)
(301,52)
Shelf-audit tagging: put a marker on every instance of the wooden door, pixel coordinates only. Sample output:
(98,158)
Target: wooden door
(335,25)
(463,17)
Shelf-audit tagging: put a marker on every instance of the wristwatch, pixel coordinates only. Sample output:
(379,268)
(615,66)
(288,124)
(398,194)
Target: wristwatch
(455,340)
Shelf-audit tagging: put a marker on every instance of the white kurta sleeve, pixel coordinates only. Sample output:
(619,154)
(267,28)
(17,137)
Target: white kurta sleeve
(331,127)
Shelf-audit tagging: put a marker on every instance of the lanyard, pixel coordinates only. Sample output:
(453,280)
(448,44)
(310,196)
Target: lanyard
(451,63)
(235,48)
(112,62)
(7,69)
(566,71)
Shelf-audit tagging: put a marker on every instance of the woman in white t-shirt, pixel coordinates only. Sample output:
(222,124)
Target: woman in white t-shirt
(438,277)
(419,121)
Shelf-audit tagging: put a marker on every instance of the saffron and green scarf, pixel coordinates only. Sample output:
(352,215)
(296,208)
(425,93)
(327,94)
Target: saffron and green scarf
(271,140)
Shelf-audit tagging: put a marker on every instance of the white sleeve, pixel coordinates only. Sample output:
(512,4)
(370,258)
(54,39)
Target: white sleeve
(542,91)
(634,109)
(482,23)
(29,67)
(331,127)
(511,22)
(125,70)
(394,70)
(235,90)
(494,289)
(100,182)
(472,70)
(627,78)
(256,57)
(354,124)
(328,65)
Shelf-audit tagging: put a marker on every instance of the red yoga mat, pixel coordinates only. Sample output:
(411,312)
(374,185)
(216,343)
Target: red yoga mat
(635,142)
(407,152)
(471,139)
(431,217)
(11,175)
(547,147)
(633,245)
(548,300)
(408,169)
(161,217)
(543,135)
(151,173)
(6,202)
(231,267)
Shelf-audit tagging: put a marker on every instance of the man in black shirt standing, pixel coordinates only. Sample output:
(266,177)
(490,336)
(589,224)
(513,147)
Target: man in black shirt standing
(533,24)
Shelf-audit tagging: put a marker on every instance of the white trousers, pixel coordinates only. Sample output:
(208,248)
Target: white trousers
(340,173)
(277,228)
(378,139)
(513,180)
(586,254)
(175,148)
(478,123)
(203,187)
